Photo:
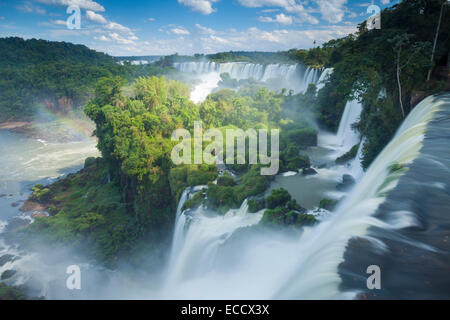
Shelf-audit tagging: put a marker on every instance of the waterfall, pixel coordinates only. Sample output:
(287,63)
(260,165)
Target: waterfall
(346,136)
(212,264)
(197,238)
(324,78)
(294,77)
(322,250)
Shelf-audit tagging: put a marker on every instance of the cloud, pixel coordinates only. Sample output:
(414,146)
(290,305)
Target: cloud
(205,30)
(202,6)
(117,27)
(2,18)
(264,3)
(103,38)
(83,4)
(95,17)
(150,19)
(58,22)
(121,39)
(30,8)
(180,31)
(332,10)
(279,18)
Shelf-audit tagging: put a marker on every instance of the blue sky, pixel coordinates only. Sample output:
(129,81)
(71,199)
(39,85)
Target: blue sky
(160,27)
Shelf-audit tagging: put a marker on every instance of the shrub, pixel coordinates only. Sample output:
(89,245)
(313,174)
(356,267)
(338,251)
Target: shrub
(278,198)
(89,162)
(255,205)
(327,204)
(304,137)
(349,155)
(226,180)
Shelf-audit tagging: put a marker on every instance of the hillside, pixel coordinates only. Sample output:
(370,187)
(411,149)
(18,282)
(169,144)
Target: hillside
(59,76)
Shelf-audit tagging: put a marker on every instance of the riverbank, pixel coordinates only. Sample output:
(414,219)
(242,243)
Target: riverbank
(13,125)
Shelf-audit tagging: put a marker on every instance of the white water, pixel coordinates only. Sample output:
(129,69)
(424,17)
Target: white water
(273,266)
(324,78)
(24,163)
(346,137)
(292,77)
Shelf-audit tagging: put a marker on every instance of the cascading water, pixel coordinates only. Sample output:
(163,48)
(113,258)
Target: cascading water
(346,136)
(324,77)
(211,263)
(315,275)
(293,76)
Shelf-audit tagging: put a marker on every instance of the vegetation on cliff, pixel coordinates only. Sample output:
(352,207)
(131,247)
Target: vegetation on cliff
(126,200)
(386,69)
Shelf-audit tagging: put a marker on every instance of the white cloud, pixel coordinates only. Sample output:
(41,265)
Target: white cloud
(279,18)
(150,19)
(59,22)
(385,1)
(205,30)
(332,10)
(30,8)
(96,17)
(103,38)
(265,3)
(179,31)
(83,4)
(121,39)
(202,6)
(117,27)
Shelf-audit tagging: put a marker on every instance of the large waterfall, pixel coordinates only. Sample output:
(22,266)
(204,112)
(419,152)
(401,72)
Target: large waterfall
(294,77)
(224,257)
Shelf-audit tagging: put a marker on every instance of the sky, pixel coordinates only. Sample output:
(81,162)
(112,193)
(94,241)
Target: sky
(163,27)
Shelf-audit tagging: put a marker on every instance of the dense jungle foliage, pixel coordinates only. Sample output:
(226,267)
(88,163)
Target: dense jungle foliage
(126,200)
(57,75)
(365,66)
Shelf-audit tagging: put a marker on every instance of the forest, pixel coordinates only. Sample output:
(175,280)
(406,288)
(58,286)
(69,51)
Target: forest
(56,75)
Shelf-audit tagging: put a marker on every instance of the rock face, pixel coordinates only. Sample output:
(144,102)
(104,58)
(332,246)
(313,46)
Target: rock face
(6,258)
(309,172)
(347,183)
(8,274)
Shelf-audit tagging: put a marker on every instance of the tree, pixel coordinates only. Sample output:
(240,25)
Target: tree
(436,36)
(404,55)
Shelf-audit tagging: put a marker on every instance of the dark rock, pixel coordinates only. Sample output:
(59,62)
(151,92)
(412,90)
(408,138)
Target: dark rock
(8,274)
(6,258)
(2,195)
(348,179)
(16,223)
(347,182)
(309,172)
(15,204)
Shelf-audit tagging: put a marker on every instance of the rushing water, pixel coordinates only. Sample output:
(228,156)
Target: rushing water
(211,263)
(24,163)
(292,77)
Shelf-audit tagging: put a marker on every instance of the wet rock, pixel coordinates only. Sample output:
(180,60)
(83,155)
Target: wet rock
(16,223)
(309,172)
(2,195)
(6,258)
(15,204)
(8,274)
(347,182)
